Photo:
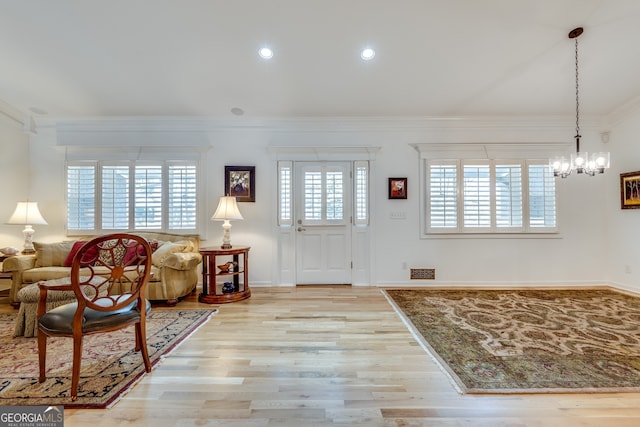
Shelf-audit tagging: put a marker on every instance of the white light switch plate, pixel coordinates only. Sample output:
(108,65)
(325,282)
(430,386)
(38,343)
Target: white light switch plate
(398,215)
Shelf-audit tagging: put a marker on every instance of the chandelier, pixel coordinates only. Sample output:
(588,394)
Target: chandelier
(580,162)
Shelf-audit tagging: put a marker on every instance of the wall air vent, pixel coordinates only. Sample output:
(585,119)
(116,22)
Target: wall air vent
(423,273)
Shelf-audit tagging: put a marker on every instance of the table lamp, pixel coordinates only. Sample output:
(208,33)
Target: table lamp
(27,213)
(227,210)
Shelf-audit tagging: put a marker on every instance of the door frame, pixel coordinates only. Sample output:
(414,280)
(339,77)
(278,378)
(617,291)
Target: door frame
(362,237)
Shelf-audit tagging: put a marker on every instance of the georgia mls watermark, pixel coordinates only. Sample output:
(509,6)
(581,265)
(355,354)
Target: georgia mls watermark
(31,416)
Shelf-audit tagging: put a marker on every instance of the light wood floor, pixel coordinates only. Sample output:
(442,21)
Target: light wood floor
(326,356)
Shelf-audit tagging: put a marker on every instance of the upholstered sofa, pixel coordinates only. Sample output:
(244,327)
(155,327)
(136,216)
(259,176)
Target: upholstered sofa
(174,271)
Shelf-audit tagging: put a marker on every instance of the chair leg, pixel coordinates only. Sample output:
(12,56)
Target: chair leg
(42,355)
(75,370)
(141,344)
(138,346)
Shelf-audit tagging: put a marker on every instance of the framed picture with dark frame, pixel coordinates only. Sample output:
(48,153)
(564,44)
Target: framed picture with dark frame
(240,182)
(397,188)
(630,190)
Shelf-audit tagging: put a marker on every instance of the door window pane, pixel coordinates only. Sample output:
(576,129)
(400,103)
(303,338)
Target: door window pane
(313,195)
(335,196)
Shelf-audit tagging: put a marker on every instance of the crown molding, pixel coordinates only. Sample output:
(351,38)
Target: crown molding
(455,150)
(12,113)
(621,113)
(324,153)
(314,124)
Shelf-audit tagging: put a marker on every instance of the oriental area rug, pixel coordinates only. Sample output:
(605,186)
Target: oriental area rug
(110,365)
(528,341)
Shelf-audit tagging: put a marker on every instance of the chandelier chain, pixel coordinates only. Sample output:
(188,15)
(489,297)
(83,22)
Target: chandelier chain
(577,96)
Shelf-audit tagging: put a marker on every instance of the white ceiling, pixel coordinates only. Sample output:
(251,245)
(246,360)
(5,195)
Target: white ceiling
(435,58)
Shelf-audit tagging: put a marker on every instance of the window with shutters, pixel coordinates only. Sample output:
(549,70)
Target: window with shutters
(489,196)
(105,196)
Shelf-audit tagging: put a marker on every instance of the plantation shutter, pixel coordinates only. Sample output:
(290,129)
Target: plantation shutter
(115,197)
(443,196)
(81,197)
(542,197)
(148,197)
(334,196)
(361,192)
(285,195)
(182,203)
(476,192)
(508,196)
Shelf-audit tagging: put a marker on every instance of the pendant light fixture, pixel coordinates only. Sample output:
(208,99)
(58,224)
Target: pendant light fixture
(580,162)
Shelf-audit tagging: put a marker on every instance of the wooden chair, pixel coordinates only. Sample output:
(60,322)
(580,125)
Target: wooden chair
(109,275)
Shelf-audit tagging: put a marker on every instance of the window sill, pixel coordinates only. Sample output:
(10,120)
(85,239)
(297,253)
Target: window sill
(541,235)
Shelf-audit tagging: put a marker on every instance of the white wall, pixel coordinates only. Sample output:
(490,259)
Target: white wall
(623,226)
(575,256)
(14,176)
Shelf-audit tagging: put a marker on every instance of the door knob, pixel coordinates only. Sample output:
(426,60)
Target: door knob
(301,229)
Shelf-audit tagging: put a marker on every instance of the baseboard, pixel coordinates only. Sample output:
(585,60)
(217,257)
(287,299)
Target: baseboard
(492,284)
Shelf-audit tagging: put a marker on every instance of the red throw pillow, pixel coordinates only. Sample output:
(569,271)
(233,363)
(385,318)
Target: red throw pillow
(132,253)
(74,250)
(89,255)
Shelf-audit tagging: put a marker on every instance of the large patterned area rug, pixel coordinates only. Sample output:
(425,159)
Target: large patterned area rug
(110,365)
(517,341)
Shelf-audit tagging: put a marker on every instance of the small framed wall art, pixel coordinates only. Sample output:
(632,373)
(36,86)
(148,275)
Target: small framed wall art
(397,188)
(630,190)
(240,182)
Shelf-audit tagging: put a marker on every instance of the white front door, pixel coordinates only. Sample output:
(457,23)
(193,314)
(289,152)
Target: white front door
(323,222)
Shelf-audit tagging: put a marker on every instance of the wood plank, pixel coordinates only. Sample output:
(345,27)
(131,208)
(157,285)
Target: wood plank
(322,356)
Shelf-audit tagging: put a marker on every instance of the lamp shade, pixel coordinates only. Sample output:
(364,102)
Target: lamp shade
(227,209)
(27,213)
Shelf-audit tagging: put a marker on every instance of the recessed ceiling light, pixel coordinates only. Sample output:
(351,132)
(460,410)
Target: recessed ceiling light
(265,53)
(367,54)
(237,111)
